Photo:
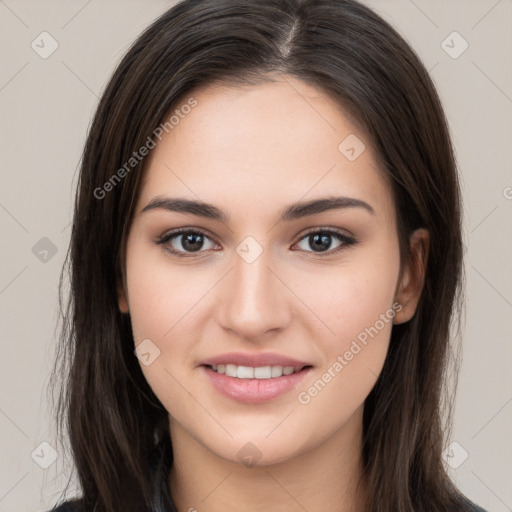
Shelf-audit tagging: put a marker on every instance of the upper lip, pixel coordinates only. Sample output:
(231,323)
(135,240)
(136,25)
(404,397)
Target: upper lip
(255,360)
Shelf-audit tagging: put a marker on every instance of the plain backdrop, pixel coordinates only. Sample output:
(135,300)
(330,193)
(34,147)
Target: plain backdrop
(46,104)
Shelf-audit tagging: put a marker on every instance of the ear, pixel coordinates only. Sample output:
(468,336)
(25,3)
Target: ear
(411,282)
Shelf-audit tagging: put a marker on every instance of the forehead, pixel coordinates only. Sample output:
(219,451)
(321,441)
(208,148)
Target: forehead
(271,143)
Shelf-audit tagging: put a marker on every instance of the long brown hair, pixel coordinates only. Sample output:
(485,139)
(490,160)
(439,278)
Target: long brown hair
(116,425)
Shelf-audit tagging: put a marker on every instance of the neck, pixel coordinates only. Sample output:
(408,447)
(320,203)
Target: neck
(323,478)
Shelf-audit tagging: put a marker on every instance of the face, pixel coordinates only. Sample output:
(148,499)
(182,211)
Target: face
(254,283)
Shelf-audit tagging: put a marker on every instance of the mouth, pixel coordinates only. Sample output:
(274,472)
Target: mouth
(255,385)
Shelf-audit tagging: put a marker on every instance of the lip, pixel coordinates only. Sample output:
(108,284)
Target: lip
(254,391)
(255,360)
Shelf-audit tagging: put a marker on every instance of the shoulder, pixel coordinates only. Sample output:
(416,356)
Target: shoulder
(75,505)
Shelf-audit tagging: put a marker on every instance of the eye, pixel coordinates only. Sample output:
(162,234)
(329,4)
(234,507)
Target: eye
(185,242)
(321,242)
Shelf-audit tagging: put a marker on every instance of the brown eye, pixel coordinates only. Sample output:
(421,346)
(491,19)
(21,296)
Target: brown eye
(186,242)
(321,241)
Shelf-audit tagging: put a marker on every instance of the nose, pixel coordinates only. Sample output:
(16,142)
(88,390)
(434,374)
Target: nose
(253,300)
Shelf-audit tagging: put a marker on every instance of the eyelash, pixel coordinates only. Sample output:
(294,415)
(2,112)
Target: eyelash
(347,241)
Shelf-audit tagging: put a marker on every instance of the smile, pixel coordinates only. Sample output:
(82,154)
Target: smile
(254,385)
(250,372)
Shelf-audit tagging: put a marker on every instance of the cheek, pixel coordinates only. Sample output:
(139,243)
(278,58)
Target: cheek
(350,298)
(355,304)
(161,310)
(363,299)
(162,302)
(161,296)
(353,357)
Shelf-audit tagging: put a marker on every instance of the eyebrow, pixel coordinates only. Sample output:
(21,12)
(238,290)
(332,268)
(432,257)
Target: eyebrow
(292,212)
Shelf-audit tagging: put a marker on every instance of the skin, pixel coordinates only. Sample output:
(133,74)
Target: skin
(251,151)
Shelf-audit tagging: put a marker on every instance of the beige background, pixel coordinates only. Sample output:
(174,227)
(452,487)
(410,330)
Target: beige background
(46,106)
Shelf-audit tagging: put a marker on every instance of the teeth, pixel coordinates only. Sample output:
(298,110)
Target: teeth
(263,372)
(276,371)
(249,372)
(231,370)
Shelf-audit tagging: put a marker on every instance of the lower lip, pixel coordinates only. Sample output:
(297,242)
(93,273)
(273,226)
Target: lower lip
(254,391)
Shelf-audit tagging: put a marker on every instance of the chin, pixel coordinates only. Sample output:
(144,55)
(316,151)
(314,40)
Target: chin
(257,451)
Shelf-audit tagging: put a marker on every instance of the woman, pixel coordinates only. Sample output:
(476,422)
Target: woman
(265,264)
